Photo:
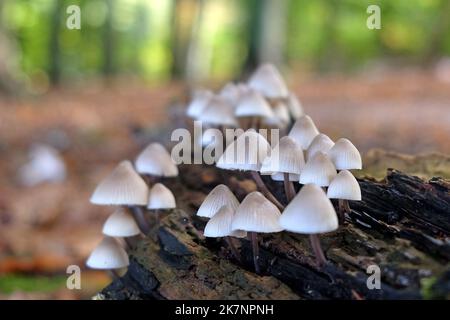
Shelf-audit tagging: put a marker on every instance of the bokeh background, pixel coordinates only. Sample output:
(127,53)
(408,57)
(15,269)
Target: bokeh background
(89,98)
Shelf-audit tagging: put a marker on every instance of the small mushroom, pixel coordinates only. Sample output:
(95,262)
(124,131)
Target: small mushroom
(256,214)
(287,158)
(269,82)
(156,161)
(160,197)
(345,156)
(108,255)
(252,106)
(220,196)
(321,143)
(230,92)
(304,131)
(218,112)
(344,187)
(247,154)
(220,226)
(310,212)
(281,116)
(318,170)
(124,187)
(121,224)
(294,106)
(198,103)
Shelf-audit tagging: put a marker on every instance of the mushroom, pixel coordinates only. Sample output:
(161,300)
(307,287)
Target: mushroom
(156,161)
(230,92)
(124,187)
(281,117)
(121,224)
(247,154)
(108,255)
(220,226)
(344,187)
(320,143)
(220,196)
(345,156)
(310,212)
(269,82)
(318,170)
(252,106)
(218,112)
(304,131)
(198,103)
(160,197)
(294,106)
(256,214)
(287,158)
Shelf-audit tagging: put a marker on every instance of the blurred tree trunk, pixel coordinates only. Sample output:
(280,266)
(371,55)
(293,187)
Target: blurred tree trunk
(254,10)
(439,30)
(108,40)
(7,51)
(54,52)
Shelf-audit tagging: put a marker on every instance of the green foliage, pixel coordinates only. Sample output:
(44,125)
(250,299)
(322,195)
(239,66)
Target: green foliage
(26,283)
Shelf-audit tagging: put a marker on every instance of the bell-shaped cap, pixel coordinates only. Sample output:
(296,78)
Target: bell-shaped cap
(318,170)
(321,143)
(304,131)
(246,153)
(155,160)
(218,112)
(268,80)
(220,225)
(120,224)
(257,214)
(230,92)
(161,198)
(108,255)
(294,106)
(281,116)
(198,103)
(280,177)
(344,186)
(310,212)
(253,104)
(345,155)
(123,186)
(220,196)
(285,157)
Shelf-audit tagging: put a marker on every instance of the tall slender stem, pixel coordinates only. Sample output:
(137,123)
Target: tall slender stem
(262,186)
(233,248)
(318,252)
(346,206)
(255,248)
(288,187)
(113,274)
(341,211)
(138,215)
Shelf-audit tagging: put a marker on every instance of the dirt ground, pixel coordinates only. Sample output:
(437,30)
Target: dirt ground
(45,228)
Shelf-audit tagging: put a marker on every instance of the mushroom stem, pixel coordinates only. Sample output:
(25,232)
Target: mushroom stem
(128,242)
(341,211)
(233,248)
(113,274)
(318,252)
(255,248)
(346,206)
(157,216)
(288,187)
(262,186)
(138,215)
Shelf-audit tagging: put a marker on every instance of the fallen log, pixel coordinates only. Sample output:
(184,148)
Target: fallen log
(402,225)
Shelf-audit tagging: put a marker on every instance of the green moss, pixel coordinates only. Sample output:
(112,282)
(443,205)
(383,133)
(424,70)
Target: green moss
(14,282)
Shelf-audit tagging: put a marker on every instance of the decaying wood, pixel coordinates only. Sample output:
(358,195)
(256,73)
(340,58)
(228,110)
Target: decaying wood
(402,225)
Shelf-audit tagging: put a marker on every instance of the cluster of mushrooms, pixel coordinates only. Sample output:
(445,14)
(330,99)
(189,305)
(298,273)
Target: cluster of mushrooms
(135,192)
(318,164)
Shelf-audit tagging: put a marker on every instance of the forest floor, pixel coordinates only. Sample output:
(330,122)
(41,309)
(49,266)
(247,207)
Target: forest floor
(45,228)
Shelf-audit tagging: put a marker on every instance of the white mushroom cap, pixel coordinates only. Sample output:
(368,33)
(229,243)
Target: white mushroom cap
(345,155)
(253,104)
(161,198)
(257,214)
(220,196)
(344,186)
(156,160)
(246,153)
(286,157)
(108,255)
(198,103)
(294,105)
(268,80)
(280,177)
(304,131)
(281,116)
(318,170)
(310,212)
(220,225)
(218,112)
(123,186)
(230,92)
(120,224)
(320,143)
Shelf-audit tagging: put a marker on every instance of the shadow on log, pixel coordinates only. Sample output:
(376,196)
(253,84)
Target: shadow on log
(402,226)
